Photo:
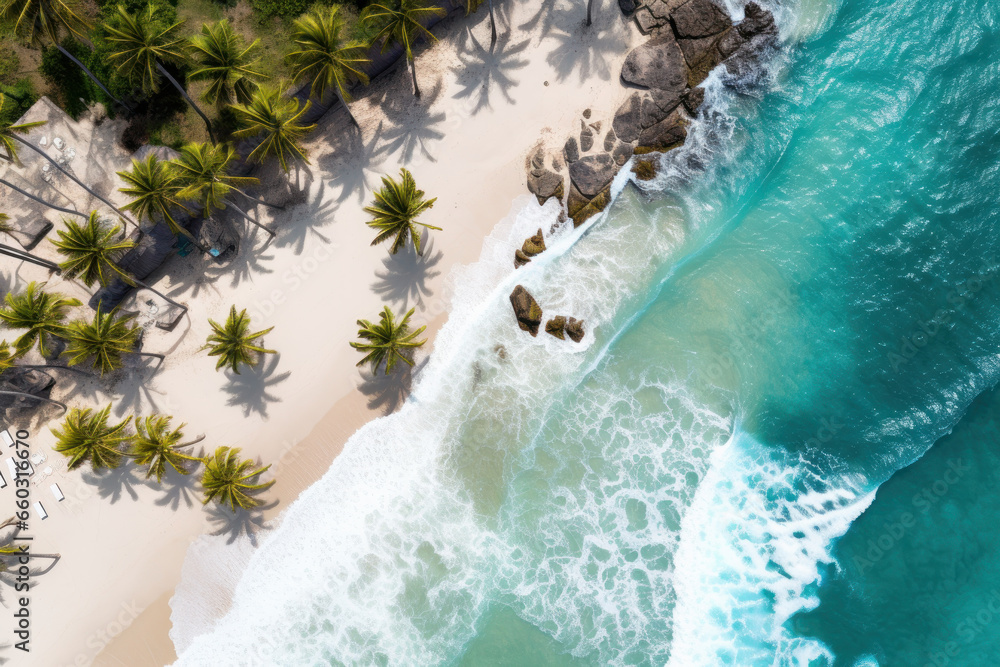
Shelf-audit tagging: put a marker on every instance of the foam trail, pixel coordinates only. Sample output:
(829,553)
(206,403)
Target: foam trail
(752,545)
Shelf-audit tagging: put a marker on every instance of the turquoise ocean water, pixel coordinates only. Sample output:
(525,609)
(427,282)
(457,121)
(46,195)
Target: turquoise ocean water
(777,444)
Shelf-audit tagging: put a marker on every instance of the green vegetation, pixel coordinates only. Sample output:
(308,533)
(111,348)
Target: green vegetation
(229,480)
(103,341)
(90,249)
(87,436)
(229,67)
(154,189)
(388,341)
(157,446)
(38,312)
(395,210)
(399,22)
(274,121)
(233,343)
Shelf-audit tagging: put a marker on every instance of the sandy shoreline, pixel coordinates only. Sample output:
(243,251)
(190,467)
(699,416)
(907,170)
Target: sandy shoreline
(466,142)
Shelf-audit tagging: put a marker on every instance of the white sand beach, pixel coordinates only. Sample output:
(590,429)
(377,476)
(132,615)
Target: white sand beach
(122,542)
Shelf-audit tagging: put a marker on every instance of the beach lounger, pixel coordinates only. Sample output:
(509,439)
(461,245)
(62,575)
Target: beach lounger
(12,467)
(3,482)
(57,493)
(7,438)
(40,511)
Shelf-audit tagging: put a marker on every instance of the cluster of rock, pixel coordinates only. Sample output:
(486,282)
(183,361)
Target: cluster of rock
(689,39)
(532,246)
(529,318)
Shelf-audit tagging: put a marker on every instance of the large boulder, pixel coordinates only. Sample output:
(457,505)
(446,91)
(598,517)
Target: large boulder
(646,21)
(592,173)
(699,18)
(659,64)
(574,329)
(693,99)
(555,327)
(666,135)
(626,122)
(571,151)
(657,105)
(544,184)
(526,309)
(702,55)
(756,21)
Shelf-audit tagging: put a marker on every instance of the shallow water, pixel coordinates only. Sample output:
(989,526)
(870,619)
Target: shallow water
(805,304)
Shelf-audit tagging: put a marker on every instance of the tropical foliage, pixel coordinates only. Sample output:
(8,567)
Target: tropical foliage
(154,190)
(401,22)
(202,172)
(34,19)
(229,480)
(40,313)
(157,446)
(276,122)
(233,342)
(395,209)
(91,250)
(87,436)
(388,341)
(229,67)
(103,340)
(141,41)
(8,134)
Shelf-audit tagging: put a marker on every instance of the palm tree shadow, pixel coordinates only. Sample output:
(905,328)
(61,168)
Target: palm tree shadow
(586,49)
(243,522)
(352,160)
(112,484)
(309,216)
(412,124)
(251,387)
(480,71)
(133,391)
(404,275)
(177,488)
(248,262)
(544,16)
(388,392)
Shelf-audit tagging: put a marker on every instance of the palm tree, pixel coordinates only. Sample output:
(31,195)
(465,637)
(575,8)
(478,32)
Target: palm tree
(38,19)
(7,358)
(156,446)
(87,436)
(324,54)
(142,42)
(234,344)
(91,250)
(104,340)
(154,188)
(590,10)
(395,210)
(11,251)
(40,312)
(10,138)
(387,341)
(227,480)
(400,21)
(203,172)
(223,61)
(275,120)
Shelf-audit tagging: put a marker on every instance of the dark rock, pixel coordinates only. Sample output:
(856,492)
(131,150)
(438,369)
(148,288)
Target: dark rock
(586,139)
(595,206)
(592,173)
(545,184)
(666,99)
(650,113)
(622,153)
(626,122)
(555,327)
(574,329)
(534,245)
(659,63)
(693,99)
(666,135)
(701,55)
(646,21)
(756,21)
(520,259)
(575,201)
(609,141)
(628,6)
(699,18)
(731,43)
(644,170)
(596,126)
(571,151)
(660,9)
(526,309)
(586,114)
(538,159)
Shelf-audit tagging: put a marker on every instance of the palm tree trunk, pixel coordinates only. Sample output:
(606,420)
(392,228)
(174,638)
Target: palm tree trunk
(42,201)
(4,392)
(240,211)
(493,28)
(92,77)
(413,74)
(46,367)
(180,89)
(259,201)
(343,103)
(194,442)
(10,251)
(74,178)
(590,8)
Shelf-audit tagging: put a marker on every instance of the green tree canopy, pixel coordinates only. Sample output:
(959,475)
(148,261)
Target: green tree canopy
(87,436)
(40,313)
(228,480)
(388,341)
(229,67)
(395,209)
(233,342)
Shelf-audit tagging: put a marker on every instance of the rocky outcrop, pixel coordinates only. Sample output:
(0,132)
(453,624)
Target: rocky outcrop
(666,135)
(533,245)
(659,64)
(556,327)
(626,122)
(699,18)
(526,310)
(574,329)
(592,173)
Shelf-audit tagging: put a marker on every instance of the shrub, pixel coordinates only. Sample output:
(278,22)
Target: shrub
(20,97)
(75,90)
